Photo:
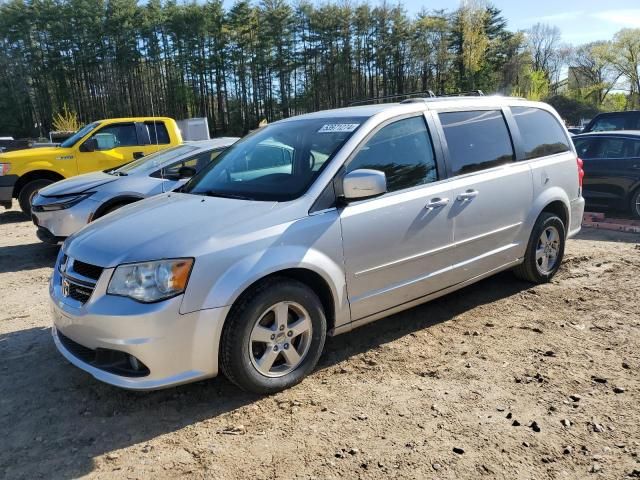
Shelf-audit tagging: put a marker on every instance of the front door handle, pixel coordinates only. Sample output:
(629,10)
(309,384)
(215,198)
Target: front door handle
(437,203)
(137,155)
(466,196)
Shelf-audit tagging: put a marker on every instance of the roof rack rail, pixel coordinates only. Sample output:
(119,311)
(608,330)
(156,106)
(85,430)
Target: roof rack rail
(427,93)
(470,93)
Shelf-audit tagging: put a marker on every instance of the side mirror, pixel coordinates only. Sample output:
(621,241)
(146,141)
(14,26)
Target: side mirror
(186,172)
(90,145)
(364,183)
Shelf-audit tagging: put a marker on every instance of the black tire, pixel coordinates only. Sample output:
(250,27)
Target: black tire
(235,358)
(634,204)
(529,269)
(112,208)
(28,192)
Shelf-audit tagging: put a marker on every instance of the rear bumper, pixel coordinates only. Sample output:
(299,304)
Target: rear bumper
(575,222)
(7,184)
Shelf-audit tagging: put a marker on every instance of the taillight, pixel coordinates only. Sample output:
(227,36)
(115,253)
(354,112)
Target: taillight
(580,171)
(4,168)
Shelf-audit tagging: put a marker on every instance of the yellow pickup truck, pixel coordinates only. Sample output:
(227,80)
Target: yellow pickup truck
(100,145)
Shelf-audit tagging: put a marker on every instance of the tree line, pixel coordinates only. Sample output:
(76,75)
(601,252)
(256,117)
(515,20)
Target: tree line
(255,61)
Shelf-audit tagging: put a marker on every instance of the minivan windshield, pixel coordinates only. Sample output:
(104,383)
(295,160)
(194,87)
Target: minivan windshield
(277,162)
(154,160)
(73,139)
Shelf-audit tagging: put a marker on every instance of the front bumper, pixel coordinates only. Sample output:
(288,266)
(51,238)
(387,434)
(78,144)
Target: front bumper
(7,184)
(176,348)
(64,223)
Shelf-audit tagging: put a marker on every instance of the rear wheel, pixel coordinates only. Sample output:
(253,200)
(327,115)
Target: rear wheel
(635,204)
(273,337)
(29,191)
(544,250)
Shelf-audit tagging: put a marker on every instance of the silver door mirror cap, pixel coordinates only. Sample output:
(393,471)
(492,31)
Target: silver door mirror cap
(364,183)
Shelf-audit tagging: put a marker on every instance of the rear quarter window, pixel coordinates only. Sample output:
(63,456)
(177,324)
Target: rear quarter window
(477,140)
(540,132)
(158,134)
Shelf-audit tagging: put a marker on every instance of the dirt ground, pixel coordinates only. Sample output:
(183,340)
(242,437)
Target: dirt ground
(499,380)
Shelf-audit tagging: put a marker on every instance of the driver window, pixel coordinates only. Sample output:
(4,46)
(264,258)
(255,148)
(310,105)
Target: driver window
(403,151)
(118,135)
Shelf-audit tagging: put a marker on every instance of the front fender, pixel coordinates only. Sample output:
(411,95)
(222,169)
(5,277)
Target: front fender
(241,275)
(234,262)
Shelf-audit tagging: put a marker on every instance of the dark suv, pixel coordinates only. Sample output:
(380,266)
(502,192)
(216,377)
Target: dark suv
(612,169)
(606,122)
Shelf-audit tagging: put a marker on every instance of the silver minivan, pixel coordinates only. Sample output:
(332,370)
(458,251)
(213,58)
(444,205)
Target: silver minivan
(359,213)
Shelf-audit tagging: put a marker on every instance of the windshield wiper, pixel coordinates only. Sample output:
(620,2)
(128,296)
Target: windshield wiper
(215,193)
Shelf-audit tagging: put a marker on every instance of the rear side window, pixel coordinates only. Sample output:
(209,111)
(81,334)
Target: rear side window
(540,132)
(609,122)
(607,148)
(158,133)
(403,151)
(477,140)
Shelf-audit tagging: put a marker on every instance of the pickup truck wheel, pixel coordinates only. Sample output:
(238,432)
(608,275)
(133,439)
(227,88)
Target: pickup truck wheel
(273,336)
(29,191)
(544,250)
(635,204)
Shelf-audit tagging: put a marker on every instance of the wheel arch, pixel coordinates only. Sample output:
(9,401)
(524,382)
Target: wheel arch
(311,279)
(554,200)
(34,175)
(112,202)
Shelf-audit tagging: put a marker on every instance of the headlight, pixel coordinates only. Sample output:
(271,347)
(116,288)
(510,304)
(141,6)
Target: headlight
(47,204)
(151,281)
(4,168)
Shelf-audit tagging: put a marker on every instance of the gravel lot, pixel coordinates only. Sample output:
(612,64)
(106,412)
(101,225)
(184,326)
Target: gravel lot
(499,380)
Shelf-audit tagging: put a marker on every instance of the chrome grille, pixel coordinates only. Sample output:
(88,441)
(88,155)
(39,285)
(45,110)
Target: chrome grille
(78,279)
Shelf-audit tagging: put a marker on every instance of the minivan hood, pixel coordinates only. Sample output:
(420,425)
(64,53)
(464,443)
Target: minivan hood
(78,184)
(172,225)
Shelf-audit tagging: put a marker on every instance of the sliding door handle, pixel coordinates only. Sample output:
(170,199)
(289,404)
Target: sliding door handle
(437,203)
(466,196)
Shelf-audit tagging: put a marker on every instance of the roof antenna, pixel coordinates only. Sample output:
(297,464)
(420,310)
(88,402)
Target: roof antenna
(155,130)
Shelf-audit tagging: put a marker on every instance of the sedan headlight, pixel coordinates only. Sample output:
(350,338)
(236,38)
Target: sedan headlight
(48,204)
(151,281)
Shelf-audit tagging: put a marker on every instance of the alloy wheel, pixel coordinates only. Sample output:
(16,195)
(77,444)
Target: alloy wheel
(547,250)
(280,339)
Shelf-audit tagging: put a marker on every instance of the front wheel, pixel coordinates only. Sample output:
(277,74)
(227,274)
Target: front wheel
(545,250)
(273,337)
(25,197)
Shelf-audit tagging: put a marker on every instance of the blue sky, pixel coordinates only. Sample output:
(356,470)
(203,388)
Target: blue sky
(580,21)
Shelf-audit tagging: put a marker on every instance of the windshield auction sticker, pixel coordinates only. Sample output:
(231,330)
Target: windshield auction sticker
(338,127)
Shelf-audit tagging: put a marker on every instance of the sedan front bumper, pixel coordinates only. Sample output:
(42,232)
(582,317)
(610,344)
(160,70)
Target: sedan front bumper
(63,223)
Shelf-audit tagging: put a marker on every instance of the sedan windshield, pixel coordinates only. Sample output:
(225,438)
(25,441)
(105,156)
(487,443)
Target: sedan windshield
(73,139)
(278,162)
